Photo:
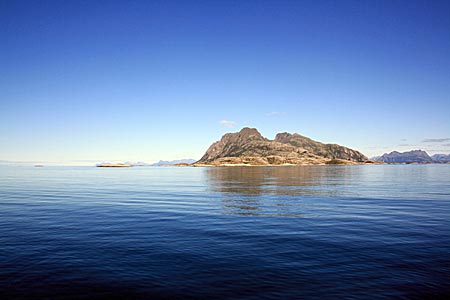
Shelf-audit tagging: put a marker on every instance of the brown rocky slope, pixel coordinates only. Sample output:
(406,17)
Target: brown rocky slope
(249,147)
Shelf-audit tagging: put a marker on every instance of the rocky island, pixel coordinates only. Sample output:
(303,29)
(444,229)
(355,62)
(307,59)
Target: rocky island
(249,147)
(113,165)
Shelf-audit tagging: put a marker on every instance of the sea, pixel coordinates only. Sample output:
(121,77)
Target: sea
(294,232)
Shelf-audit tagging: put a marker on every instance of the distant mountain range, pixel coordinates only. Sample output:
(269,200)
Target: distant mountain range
(173,162)
(441,158)
(249,147)
(144,164)
(414,156)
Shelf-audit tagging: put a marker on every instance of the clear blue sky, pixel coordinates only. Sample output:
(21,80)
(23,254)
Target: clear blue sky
(87,81)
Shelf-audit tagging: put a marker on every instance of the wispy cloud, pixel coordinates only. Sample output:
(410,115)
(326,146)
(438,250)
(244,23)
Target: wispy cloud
(405,145)
(227,123)
(276,113)
(446,145)
(436,140)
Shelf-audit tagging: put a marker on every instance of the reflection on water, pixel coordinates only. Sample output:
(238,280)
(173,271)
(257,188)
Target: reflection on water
(250,190)
(289,180)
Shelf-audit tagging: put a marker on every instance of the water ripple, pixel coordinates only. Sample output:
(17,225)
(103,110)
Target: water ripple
(362,232)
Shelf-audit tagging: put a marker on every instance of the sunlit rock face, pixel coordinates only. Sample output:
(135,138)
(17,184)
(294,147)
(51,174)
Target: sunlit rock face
(249,147)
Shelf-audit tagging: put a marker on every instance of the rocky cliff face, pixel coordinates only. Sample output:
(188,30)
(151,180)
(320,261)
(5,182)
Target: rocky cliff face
(249,147)
(331,151)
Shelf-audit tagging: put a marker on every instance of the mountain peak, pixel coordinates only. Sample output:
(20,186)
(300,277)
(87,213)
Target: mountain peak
(283,137)
(248,132)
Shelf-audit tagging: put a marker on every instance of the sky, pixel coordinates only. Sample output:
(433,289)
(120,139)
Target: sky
(89,81)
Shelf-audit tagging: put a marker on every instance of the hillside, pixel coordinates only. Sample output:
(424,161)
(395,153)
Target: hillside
(249,147)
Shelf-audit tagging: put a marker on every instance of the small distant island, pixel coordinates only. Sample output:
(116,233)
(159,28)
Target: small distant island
(249,148)
(113,165)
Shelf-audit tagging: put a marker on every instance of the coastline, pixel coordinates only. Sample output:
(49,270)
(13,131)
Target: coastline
(341,163)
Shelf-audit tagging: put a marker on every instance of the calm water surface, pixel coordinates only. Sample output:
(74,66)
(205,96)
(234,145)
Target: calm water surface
(349,232)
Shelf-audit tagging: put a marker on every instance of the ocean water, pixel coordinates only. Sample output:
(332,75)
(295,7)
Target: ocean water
(323,232)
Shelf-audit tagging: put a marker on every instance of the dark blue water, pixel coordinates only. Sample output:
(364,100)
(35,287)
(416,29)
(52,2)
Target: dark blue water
(351,232)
